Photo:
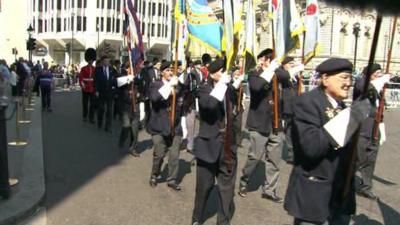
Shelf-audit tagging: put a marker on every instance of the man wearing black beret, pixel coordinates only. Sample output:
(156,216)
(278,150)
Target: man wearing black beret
(266,144)
(166,138)
(214,159)
(323,136)
(368,146)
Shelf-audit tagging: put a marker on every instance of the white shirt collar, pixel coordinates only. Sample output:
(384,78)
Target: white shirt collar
(333,102)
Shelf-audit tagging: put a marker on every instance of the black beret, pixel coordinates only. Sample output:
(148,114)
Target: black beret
(266,52)
(288,59)
(90,54)
(206,58)
(216,65)
(155,61)
(334,66)
(197,62)
(374,68)
(165,65)
(179,63)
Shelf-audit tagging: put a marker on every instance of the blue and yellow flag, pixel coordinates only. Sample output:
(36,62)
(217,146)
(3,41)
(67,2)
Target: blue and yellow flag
(203,25)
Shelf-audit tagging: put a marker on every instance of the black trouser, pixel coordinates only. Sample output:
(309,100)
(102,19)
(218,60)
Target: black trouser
(367,152)
(105,106)
(20,87)
(88,101)
(237,124)
(205,181)
(46,91)
(288,136)
(130,125)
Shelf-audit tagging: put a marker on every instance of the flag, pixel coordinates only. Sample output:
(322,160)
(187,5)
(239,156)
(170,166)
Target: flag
(203,25)
(287,27)
(272,7)
(232,26)
(181,23)
(250,28)
(311,21)
(133,36)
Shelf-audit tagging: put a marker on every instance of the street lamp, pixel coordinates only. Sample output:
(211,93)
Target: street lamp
(30,29)
(72,38)
(356,31)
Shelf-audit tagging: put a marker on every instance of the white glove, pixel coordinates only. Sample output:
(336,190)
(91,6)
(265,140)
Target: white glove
(378,83)
(174,81)
(295,70)
(383,133)
(225,78)
(121,81)
(182,78)
(238,81)
(142,113)
(219,90)
(270,71)
(130,78)
(184,127)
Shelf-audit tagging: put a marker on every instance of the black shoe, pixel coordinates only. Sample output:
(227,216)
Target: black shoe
(242,192)
(367,194)
(133,152)
(272,197)
(153,182)
(174,186)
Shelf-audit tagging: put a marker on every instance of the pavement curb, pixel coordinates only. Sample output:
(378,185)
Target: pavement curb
(31,189)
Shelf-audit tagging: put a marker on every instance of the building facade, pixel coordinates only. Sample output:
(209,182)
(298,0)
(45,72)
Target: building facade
(65,28)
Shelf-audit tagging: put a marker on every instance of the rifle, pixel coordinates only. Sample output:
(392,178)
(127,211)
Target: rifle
(379,114)
(240,91)
(132,85)
(275,88)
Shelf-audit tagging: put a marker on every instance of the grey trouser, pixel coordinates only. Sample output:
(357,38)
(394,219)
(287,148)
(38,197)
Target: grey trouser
(191,128)
(129,123)
(269,150)
(367,152)
(161,146)
(288,136)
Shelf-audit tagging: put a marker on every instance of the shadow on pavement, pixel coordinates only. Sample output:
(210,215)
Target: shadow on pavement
(383,181)
(257,179)
(390,215)
(364,220)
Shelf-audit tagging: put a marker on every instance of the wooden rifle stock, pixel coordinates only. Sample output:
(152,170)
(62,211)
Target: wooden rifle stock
(173,103)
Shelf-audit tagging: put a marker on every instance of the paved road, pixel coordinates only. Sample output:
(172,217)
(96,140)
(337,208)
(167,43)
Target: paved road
(89,183)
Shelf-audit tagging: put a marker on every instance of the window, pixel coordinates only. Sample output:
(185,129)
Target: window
(33,5)
(143,28)
(72,24)
(45,26)
(65,24)
(119,4)
(108,24)
(148,10)
(102,4)
(102,24)
(98,3)
(72,3)
(58,28)
(65,4)
(159,30)
(166,31)
(153,9)
(136,5)
(152,29)
(52,4)
(118,25)
(59,4)
(97,24)
(79,23)
(40,26)
(85,4)
(159,9)
(84,23)
(144,8)
(79,3)
(45,6)
(40,6)
(109,5)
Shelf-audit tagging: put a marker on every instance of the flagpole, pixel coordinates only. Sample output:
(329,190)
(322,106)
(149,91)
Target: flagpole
(175,74)
(132,86)
(300,81)
(353,152)
(378,116)
(275,86)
